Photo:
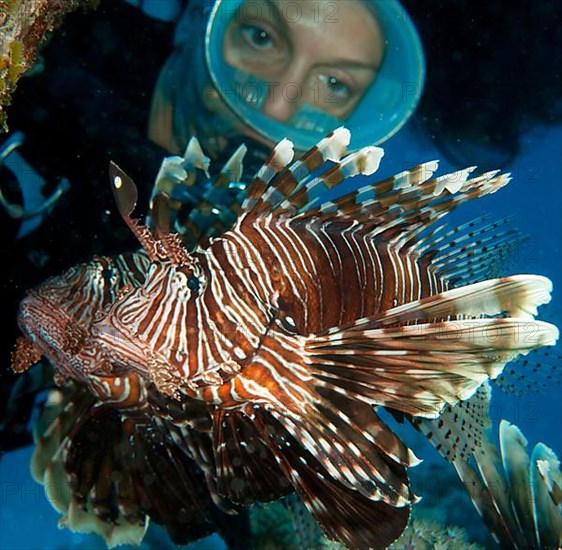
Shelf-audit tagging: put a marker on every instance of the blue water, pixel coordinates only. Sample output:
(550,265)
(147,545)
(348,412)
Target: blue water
(533,198)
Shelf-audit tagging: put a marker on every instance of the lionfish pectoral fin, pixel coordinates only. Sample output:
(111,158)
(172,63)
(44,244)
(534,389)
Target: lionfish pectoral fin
(25,355)
(345,514)
(459,429)
(117,472)
(418,357)
(246,469)
(517,296)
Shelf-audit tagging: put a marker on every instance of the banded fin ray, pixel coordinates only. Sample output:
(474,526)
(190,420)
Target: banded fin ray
(419,356)
(354,447)
(459,430)
(277,183)
(246,470)
(345,515)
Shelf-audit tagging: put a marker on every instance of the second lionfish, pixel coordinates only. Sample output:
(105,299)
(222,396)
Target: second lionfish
(262,356)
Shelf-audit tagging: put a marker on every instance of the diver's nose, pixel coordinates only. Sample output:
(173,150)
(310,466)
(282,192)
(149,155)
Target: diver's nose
(285,94)
(281,102)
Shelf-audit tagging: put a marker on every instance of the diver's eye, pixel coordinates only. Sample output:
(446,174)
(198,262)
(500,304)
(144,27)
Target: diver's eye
(256,36)
(336,88)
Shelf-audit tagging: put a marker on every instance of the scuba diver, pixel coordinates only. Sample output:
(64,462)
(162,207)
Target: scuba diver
(296,70)
(228,72)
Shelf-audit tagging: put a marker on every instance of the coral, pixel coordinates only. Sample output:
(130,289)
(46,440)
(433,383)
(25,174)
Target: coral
(24,26)
(272,527)
(429,535)
(421,534)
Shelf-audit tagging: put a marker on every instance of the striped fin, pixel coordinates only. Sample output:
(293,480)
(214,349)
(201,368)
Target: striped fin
(345,515)
(245,468)
(366,199)
(346,437)
(459,430)
(407,211)
(108,474)
(417,357)
(472,252)
(399,209)
(277,180)
(517,296)
(277,161)
(354,446)
(64,409)
(366,161)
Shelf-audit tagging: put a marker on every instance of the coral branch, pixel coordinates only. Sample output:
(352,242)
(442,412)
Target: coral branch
(24,26)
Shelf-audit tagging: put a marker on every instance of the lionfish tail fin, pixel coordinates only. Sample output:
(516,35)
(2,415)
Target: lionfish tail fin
(420,356)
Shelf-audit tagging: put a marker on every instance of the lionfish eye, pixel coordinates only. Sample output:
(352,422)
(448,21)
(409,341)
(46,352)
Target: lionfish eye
(193,283)
(107,274)
(289,323)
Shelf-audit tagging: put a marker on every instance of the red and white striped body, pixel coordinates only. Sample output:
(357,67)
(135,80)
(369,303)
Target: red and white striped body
(269,349)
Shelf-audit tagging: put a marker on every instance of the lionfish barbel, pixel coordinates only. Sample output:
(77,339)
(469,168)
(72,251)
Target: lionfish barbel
(263,355)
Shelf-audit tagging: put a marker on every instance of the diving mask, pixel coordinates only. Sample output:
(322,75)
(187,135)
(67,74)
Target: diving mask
(384,107)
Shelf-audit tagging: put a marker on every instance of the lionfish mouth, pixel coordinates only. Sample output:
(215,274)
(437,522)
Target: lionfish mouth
(48,332)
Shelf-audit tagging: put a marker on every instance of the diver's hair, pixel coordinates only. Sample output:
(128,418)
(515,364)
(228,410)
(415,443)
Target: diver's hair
(494,70)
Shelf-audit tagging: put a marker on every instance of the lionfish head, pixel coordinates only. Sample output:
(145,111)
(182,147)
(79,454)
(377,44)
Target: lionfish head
(56,317)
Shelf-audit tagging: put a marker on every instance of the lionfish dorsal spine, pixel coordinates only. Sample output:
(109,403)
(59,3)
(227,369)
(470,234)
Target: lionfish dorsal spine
(166,245)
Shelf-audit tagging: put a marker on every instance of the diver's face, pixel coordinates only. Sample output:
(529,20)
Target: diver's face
(321,53)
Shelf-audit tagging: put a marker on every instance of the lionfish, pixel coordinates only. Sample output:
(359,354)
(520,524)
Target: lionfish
(254,365)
